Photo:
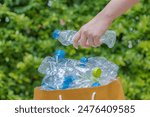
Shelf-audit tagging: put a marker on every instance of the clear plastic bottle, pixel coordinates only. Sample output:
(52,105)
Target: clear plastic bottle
(48,83)
(109,69)
(86,74)
(82,68)
(49,64)
(53,82)
(66,37)
(88,79)
(58,71)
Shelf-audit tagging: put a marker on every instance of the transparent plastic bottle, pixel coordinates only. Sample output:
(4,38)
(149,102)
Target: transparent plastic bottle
(88,79)
(53,68)
(66,37)
(53,82)
(86,74)
(109,69)
(48,83)
(58,71)
(49,64)
(80,70)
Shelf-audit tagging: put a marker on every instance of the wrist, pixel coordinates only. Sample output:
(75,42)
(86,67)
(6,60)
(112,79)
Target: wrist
(105,17)
(101,18)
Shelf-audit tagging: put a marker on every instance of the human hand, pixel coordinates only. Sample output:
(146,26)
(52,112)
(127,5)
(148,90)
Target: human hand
(90,33)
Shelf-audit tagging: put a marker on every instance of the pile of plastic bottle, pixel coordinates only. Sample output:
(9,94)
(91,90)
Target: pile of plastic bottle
(62,73)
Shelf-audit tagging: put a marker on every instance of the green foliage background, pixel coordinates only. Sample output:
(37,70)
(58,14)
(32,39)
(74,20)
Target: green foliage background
(26,28)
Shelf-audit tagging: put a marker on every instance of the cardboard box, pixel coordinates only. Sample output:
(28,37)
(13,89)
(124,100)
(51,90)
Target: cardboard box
(112,91)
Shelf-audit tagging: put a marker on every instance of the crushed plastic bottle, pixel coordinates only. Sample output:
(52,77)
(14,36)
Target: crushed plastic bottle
(62,73)
(48,65)
(87,75)
(66,37)
(85,81)
(56,70)
(80,70)
(109,70)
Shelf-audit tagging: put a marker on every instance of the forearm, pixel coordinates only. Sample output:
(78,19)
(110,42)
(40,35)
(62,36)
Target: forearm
(90,33)
(115,8)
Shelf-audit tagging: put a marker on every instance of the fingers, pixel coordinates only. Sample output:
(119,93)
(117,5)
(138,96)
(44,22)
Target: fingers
(76,40)
(96,41)
(86,39)
(80,38)
(90,40)
(83,40)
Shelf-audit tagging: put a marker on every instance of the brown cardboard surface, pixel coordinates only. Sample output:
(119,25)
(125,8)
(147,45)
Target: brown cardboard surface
(112,91)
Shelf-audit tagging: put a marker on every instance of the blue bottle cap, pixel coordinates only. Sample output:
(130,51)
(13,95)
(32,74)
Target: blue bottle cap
(60,54)
(84,60)
(67,81)
(56,34)
(96,84)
